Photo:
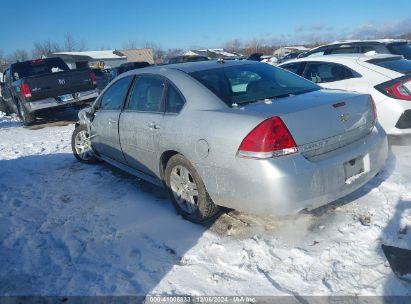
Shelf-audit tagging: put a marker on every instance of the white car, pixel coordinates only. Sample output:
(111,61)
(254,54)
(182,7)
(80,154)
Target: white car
(387,78)
(269,60)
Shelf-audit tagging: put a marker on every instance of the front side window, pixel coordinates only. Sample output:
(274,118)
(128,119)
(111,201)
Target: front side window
(343,50)
(115,95)
(147,94)
(252,82)
(321,72)
(403,49)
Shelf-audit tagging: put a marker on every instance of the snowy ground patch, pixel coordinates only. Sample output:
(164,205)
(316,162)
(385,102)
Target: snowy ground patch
(68,228)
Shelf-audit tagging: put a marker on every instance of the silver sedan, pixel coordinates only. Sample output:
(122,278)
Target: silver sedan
(239,134)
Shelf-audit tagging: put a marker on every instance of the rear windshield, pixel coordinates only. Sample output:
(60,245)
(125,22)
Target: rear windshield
(399,65)
(403,49)
(252,82)
(38,67)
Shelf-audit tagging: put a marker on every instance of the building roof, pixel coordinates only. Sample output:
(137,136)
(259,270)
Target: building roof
(138,55)
(97,55)
(297,47)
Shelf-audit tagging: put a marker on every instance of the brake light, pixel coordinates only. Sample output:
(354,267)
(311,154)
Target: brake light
(271,138)
(25,90)
(37,60)
(93,78)
(399,88)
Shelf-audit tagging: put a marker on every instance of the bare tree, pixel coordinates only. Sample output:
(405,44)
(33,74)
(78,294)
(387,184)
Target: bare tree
(19,55)
(70,44)
(131,44)
(233,45)
(173,53)
(3,61)
(82,46)
(43,48)
(254,44)
(158,52)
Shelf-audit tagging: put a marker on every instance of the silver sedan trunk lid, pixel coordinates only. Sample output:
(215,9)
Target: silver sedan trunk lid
(321,121)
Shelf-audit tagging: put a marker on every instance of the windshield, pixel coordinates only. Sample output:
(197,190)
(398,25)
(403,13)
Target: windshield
(403,49)
(252,82)
(399,65)
(38,67)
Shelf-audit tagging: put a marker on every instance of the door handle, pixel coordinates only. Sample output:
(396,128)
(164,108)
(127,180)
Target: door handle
(153,126)
(110,121)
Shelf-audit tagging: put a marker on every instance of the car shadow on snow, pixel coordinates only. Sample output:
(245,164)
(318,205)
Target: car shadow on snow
(44,119)
(68,228)
(397,233)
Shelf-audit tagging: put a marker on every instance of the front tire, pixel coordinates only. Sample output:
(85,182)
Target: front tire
(187,191)
(81,145)
(26,117)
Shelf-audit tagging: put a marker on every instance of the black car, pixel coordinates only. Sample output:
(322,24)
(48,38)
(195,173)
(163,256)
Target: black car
(125,67)
(383,46)
(186,58)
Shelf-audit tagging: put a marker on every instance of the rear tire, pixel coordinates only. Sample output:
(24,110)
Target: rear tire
(3,107)
(81,145)
(26,117)
(187,191)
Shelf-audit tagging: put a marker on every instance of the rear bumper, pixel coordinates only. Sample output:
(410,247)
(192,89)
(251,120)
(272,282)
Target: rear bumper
(53,102)
(392,114)
(290,184)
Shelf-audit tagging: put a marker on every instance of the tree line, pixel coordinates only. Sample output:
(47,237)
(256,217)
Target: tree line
(71,44)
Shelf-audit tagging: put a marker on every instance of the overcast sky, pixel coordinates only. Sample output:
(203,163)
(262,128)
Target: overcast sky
(192,23)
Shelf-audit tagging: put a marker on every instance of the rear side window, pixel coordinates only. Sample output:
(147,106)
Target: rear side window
(38,67)
(252,82)
(403,49)
(115,95)
(344,50)
(320,72)
(147,95)
(399,65)
(292,67)
(319,53)
(174,101)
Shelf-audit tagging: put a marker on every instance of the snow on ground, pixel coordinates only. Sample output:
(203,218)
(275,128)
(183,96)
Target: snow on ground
(68,228)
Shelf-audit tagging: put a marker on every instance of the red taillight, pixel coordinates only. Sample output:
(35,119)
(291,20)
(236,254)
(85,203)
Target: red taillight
(93,78)
(400,89)
(271,138)
(25,90)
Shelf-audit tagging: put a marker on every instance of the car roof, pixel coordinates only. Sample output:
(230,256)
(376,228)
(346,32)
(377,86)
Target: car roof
(345,57)
(195,66)
(373,41)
